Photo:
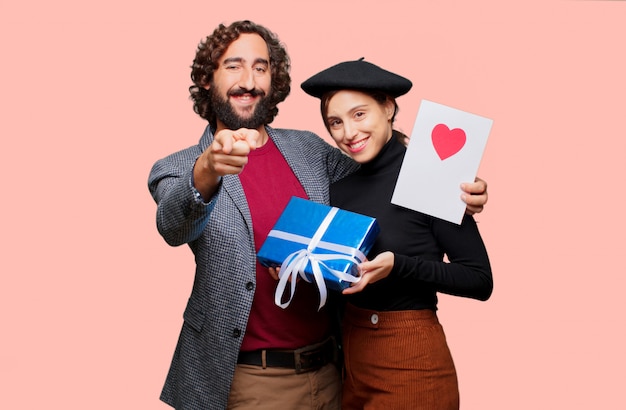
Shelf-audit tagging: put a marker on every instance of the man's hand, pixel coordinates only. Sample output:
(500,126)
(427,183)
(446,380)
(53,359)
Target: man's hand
(475,196)
(274,273)
(227,154)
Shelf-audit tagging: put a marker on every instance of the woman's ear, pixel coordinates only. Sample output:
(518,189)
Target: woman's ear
(390,108)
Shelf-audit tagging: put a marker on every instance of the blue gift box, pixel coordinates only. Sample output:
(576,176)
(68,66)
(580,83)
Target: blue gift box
(310,237)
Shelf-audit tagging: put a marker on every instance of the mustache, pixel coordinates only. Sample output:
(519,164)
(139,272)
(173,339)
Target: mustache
(241,91)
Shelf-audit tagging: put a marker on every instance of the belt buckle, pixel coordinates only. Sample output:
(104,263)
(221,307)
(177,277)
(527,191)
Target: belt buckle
(312,357)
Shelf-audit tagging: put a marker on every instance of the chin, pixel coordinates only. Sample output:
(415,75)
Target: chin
(361,158)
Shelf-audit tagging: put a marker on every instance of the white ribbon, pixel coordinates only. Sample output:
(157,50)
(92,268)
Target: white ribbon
(294,264)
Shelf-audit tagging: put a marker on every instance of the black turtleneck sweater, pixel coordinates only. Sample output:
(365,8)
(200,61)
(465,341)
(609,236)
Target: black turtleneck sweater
(418,242)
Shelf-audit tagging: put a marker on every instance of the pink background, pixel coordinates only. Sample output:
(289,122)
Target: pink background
(92,93)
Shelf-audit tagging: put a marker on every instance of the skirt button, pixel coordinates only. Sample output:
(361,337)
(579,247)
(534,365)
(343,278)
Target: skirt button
(374,319)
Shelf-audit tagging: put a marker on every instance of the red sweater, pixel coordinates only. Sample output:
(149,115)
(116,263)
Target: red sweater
(269,184)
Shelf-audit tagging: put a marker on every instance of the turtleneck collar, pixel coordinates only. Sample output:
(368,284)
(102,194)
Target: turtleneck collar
(388,155)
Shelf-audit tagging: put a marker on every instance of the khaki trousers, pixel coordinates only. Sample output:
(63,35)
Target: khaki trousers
(275,388)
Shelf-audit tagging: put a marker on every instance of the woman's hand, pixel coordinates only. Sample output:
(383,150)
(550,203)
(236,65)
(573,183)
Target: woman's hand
(372,271)
(475,196)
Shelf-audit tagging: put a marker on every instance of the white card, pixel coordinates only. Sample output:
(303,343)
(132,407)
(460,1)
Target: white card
(445,150)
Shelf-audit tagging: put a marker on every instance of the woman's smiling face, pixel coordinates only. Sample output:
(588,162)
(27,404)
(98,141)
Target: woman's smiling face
(359,124)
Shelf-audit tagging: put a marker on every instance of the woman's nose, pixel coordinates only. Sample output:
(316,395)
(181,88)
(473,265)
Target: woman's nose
(349,130)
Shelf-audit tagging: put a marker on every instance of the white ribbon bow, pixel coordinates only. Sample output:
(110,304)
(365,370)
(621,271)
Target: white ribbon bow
(295,263)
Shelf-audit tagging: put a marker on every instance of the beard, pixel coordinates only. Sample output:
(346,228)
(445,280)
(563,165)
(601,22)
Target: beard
(225,113)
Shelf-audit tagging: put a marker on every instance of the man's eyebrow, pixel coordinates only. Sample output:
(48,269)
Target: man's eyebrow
(231,60)
(240,60)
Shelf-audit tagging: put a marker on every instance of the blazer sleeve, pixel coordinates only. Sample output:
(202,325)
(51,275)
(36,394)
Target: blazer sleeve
(181,213)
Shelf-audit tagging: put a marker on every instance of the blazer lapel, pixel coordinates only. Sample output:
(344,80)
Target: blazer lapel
(294,154)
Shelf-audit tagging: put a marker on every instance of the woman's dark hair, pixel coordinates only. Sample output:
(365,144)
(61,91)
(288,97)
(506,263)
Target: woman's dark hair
(378,96)
(213,48)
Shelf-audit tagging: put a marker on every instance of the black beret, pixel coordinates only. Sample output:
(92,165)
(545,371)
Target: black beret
(356,75)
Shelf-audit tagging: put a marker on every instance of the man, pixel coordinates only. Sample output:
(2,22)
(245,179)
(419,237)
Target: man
(237,349)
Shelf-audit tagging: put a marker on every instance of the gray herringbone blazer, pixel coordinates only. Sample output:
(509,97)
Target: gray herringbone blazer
(220,235)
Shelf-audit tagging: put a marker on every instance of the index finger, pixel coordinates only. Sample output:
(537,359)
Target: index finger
(248,135)
(223,142)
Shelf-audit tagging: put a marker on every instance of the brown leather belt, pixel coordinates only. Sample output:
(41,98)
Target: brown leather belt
(305,359)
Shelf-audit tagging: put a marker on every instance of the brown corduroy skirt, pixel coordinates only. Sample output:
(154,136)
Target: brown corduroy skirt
(397,360)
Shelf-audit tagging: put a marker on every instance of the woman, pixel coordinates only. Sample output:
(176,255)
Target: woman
(396,355)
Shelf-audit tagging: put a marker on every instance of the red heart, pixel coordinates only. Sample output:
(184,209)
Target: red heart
(446,141)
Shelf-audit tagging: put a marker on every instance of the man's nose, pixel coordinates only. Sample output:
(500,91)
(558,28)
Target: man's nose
(246,81)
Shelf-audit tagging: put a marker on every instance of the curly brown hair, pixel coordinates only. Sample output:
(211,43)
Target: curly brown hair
(213,48)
